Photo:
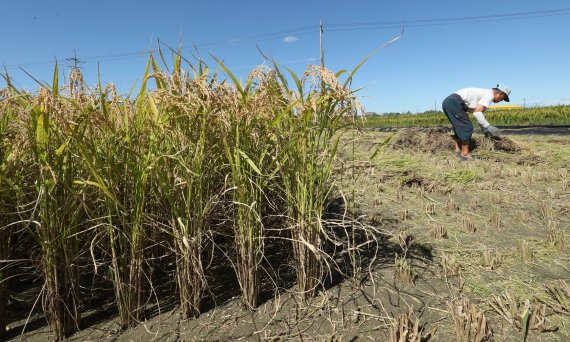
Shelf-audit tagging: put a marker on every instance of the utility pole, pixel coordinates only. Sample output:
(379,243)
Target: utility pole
(524,102)
(322,53)
(74,59)
(321,45)
(75,76)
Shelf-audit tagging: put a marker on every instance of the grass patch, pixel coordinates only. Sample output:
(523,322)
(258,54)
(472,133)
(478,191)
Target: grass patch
(400,163)
(461,176)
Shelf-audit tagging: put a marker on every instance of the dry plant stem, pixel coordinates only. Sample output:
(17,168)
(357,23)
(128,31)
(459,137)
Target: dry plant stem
(404,271)
(559,301)
(524,317)
(470,323)
(405,329)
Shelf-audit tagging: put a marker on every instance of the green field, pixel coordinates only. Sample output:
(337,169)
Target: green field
(555,115)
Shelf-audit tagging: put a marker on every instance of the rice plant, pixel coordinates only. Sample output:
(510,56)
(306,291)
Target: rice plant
(312,128)
(117,183)
(120,153)
(188,154)
(249,144)
(5,194)
(55,222)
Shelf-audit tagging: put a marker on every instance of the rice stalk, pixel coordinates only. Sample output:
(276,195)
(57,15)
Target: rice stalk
(120,154)
(59,210)
(5,188)
(312,135)
(249,141)
(185,176)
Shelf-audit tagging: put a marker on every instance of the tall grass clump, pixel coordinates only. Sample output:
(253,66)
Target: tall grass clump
(189,171)
(55,219)
(18,197)
(321,110)
(6,206)
(119,149)
(250,138)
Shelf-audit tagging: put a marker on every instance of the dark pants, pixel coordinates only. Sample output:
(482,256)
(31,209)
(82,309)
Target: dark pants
(455,110)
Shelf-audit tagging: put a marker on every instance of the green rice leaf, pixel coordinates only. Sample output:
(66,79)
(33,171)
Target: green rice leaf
(55,83)
(237,84)
(249,161)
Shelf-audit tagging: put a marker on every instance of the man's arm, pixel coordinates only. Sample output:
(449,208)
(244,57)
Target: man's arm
(485,126)
(478,114)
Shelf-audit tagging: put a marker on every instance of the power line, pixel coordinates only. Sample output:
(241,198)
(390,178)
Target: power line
(300,31)
(505,17)
(359,27)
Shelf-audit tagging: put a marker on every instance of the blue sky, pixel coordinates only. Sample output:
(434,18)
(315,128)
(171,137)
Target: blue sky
(434,57)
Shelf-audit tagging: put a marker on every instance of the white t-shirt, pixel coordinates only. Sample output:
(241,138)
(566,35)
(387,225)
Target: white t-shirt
(476,96)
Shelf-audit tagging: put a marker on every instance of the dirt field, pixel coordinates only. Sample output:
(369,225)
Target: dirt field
(492,234)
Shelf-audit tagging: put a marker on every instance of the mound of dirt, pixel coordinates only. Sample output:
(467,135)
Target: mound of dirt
(439,139)
(426,140)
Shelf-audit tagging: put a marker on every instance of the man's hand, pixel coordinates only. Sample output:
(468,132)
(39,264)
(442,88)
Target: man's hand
(493,131)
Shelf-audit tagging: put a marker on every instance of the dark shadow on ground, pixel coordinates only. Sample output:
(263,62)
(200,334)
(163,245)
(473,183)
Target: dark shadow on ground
(376,249)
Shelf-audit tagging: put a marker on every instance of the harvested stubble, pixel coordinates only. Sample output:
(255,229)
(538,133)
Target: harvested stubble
(523,316)
(491,259)
(438,232)
(555,235)
(451,206)
(470,323)
(525,250)
(449,265)
(495,218)
(559,293)
(469,225)
(403,271)
(405,328)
